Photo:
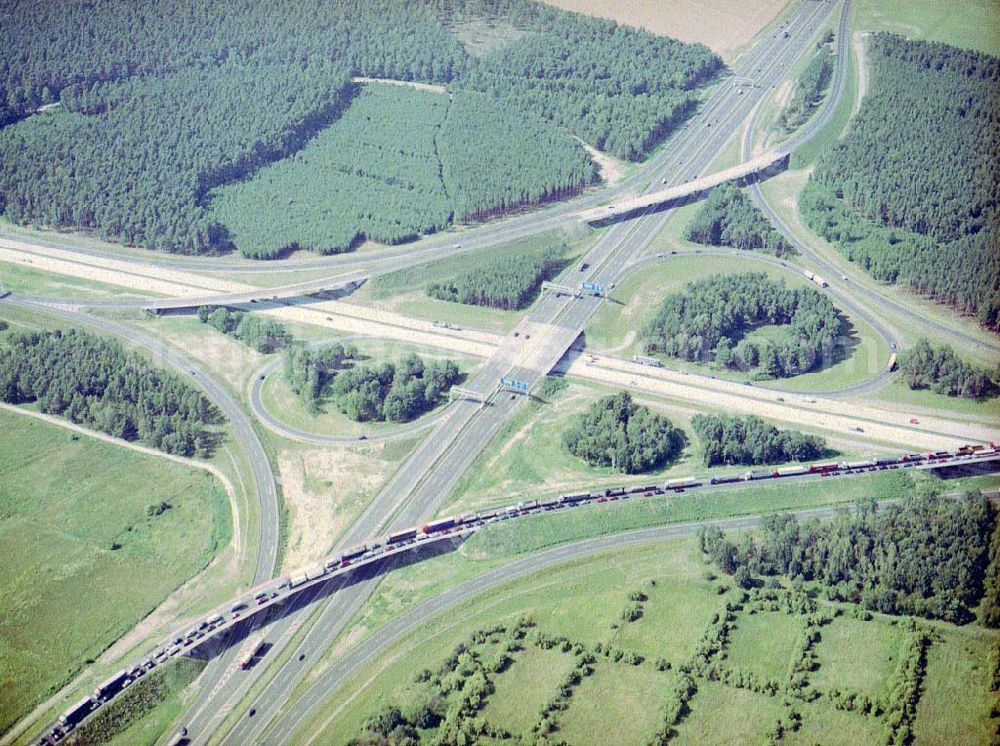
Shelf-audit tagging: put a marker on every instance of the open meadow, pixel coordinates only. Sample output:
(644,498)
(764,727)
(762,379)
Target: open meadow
(94,537)
(646,642)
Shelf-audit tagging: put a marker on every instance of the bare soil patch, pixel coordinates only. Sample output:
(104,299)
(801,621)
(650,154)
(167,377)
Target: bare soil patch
(324,490)
(722,25)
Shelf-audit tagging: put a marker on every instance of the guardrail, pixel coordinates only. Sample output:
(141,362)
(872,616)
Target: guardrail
(279,591)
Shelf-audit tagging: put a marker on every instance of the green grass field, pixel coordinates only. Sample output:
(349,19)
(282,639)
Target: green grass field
(527,457)
(867,655)
(722,715)
(624,702)
(616,327)
(619,694)
(280,402)
(973,24)
(762,643)
(956,666)
(84,558)
(404,291)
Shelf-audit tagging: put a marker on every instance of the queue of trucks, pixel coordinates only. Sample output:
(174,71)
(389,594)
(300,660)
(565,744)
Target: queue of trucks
(279,590)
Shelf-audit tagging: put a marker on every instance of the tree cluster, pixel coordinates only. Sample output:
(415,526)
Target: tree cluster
(938,368)
(926,556)
(392,392)
(97,383)
(307,371)
(729,218)
(750,440)
(263,335)
(911,193)
(617,432)
(808,88)
(989,609)
(709,319)
(506,281)
(158,104)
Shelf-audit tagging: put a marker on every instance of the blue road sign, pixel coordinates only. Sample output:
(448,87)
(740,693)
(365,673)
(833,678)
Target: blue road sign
(592,287)
(513,383)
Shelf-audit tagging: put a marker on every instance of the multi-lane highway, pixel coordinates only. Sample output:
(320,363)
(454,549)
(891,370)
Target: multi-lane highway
(459,433)
(426,478)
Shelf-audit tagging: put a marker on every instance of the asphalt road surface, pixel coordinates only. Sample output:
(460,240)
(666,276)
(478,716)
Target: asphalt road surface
(424,482)
(286,729)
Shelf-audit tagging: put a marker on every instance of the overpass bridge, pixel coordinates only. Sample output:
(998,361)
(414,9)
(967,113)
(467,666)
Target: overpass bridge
(636,205)
(444,534)
(328,288)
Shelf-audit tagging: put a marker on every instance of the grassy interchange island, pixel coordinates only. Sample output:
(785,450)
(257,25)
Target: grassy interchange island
(328,416)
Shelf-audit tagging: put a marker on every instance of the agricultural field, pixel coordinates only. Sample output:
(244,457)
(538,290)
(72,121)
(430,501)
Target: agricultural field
(94,537)
(971,24)
(724,25)
(533,661)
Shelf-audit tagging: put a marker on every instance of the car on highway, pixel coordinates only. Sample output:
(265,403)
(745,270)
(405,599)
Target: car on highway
(914,421)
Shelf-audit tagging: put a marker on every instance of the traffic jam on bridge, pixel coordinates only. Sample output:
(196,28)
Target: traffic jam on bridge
(281,590)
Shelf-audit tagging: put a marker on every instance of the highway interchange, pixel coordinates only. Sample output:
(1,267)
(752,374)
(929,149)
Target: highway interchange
(459,433)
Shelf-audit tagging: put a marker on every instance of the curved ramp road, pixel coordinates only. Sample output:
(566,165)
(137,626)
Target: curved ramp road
(287,729)
(267,494)
(264,483)
(818,122)
(450,449)
(276,425)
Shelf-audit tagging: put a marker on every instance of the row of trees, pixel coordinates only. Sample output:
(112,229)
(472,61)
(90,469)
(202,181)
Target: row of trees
(927,556)
(912,191)
(618,433)
(728,218)
(938,368)
(808,88)
(506,281)
(707,321)
(161,104)
(263,335)
(750,440)
(97,383)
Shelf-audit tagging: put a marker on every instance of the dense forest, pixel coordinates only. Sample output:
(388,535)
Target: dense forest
(97,383)
(927,556)
(400,163)
(750,440)
(808,88)
(263,335)
(938,368)
(912,192)
(506,281)
(150,107)
(728,218)
(617,432)
(394,392)
(710,318)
